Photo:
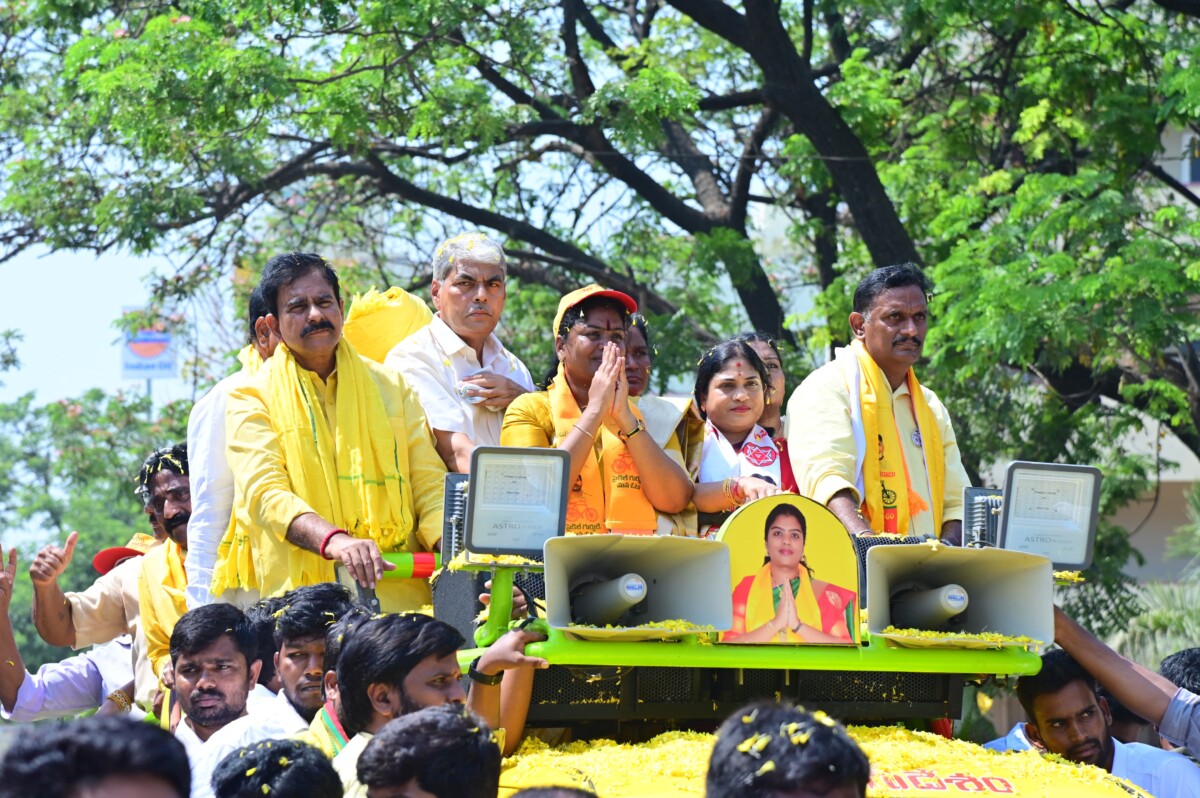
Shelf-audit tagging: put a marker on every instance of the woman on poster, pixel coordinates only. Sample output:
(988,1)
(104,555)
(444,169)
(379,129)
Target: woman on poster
(783,602)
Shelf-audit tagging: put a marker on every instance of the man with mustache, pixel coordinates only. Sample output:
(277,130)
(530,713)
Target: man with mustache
(869,441)
(108,609)
(331,456)
(463,375)
(162,583)
(1066,718)
(215,657)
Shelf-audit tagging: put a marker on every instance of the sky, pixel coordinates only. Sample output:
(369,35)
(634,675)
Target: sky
(64,304)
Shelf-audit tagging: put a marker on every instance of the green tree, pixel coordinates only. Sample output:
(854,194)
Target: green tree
(1011,149)
(72,465)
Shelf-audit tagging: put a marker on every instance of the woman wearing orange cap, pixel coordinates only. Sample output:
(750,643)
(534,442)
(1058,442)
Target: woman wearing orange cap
(585,410)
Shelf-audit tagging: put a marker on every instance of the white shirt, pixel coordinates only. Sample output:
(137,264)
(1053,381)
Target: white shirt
(1163,774)
(433,360)
(211,483)
(265,720)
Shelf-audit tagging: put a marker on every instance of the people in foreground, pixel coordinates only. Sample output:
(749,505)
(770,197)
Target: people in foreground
(437,752)
(768,749)
(877,447)
(1066,718)
(99,757)
(1174,710)
(279,767)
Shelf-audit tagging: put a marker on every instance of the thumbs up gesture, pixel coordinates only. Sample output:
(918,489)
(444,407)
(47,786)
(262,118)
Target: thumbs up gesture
(52,560)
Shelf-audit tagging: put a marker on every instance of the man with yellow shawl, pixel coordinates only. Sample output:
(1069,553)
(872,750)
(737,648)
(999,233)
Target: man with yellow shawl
(331,455)
(211,477)
(163,481)
(865,438)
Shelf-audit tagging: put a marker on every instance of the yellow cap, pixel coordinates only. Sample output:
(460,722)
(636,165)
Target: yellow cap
(579,294)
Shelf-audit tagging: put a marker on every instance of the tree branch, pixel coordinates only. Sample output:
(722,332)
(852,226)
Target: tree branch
(740,195)
(718,17)
(1165,177)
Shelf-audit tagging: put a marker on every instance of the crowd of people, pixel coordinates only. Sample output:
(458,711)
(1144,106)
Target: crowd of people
(227,626)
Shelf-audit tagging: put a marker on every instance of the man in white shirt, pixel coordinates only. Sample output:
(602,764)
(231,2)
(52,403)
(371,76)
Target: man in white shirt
(462,374)
(211,477)
(1066,718)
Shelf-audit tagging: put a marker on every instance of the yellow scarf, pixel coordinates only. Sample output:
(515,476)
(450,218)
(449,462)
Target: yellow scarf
(162,598)
(891,506)
(610,497)
(352,479)
(760,604)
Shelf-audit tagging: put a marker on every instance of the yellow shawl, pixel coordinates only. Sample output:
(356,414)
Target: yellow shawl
(610,497)
(162,599)
(891,506)
(376,322)
(349,476)
(760,604)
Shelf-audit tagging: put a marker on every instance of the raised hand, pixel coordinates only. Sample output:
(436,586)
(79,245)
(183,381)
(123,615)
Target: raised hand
(8,579)
(51,561)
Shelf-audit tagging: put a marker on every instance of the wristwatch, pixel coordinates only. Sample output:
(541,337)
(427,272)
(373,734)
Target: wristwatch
(474,674)
(641,425)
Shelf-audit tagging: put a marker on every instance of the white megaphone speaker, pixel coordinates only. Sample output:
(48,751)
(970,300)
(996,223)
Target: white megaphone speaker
(615,587)
(948,589)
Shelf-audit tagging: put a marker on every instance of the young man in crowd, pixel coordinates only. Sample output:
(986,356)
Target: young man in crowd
(810,754)
(1066,718)
(437,752)
(99,757)
(328,730)
(300,628)
(397,664)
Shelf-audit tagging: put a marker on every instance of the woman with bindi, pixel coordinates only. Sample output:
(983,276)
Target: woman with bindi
(586,410)
(739,461)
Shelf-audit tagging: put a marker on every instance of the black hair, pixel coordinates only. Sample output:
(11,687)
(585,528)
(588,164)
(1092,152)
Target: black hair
(200,628)
(1058,670)
(715,359)
(885,278)
(778,511)
(276,767)
(447,750)
(339,633)
(172,458)
(638,322)
(310,610)
(261,617)
(1182,669)
(283,270)
(256,308)
(554,792)
(577,313)
(59,759)
(809,751)
(756,337)
(383,650)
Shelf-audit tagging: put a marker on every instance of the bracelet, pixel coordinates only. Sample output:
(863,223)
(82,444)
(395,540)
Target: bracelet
(325,541)
(739,496)
(585,432)
(122,701)
(728,491)
(474,674)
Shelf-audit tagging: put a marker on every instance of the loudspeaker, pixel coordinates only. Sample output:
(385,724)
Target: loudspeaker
(686,579)
(1007,592)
